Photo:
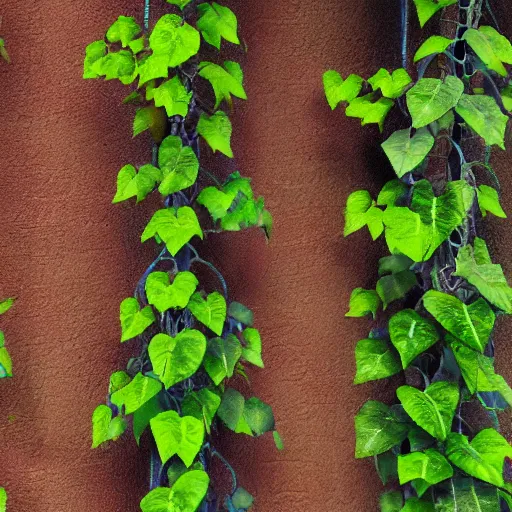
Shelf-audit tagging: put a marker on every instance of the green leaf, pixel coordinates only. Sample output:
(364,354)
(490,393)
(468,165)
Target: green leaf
(203,405)
(176,359)
(419,231)
(278,441)
(186,495)
(369,110)
(242,499)
(164,295)
(241,314)
(483,458)
(137,45)
(104,428)
(432,410)
(136,393)
(221,357)
(391,85)
(149,118)
(217,22)
(118,380)
(225,82)
(433,45)
(491,47)
(216,131)
(425,469)
(506,96)
(395,286)
(116,65)
(375,359)
(176,227)
(478,371)
(231,412)
(142,416)
(259,416)
(358,203)
(487,277)
(152,67)
(177,436)
(179,165)
(394,264)
(378,429)
(406,153)
(134,321)
(179,3)
(5,305)
(123,30)
(133,184)
(5,359)
(465,496)
(431,98)
(210,312)
(175,40)
(363,302)
(391,502)
(427,8)
(173,96)
(417,505)
(483,115)
(391,193)
(338,90)
(93,53)
(3,500)
(411,334)
(386,466)
(471,324)
(489,201)
(251,350)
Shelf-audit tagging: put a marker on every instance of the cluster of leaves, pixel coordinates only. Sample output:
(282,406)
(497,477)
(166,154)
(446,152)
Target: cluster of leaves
(194,344)
(439,271)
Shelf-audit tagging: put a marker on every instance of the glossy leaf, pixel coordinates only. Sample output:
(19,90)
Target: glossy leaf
(375,359)
(221,358)
(391,193)
(210,312)
(136,393)
(165,295)
(217,22)
(378,429)
(405,152)
(176,227)
(482,114)
(251,348)
(124,30)
(395,286)
(363,302)
(427,8)
(431,98)
(104,427)
(433,45)
(143,415)
(486,276)
(471,324)
(203,405)
(177,436)
(134,321)
(216,131)
(489,201)
(131,183)
(173,96)
(391,85)
(175,359)
(338,90)
(370,109)
(226,81)
(411,334)
(432,410)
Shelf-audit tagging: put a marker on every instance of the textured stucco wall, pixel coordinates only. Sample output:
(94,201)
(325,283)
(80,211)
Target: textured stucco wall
(70,256)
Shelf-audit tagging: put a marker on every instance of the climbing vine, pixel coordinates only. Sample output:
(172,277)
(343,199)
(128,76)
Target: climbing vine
(5,305)
(194,342)
(439,276)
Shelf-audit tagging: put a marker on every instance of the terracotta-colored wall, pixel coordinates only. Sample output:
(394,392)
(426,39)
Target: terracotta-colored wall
(70,256)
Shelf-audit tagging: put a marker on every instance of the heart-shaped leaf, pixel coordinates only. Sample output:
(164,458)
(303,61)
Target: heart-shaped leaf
(432,410)
(177,436)
(134,321)
(338,90)
(136,393)
(471,324)
(210,312)
(427,8)
(174,227)
(104,428)
(363,302)
(173,95)
(405,152)
(251,352)
(375,359)
(123,30)
(483,458)
(179,165)
(411,334)
(216,22)
(176,359)
(186,495)
(391,85)
(203,405)
(370,109)
(216,131)
(130,183)
(432,46)
(431,98)
(221,358)
(164,295)
(225,81)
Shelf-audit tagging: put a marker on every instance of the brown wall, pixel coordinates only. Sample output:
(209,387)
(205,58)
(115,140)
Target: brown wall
(70,256)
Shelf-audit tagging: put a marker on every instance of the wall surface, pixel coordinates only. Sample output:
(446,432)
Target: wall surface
(71,257)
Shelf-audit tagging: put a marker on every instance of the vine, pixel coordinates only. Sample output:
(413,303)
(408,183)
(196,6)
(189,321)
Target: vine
(439,268)
(193,344)
(5,305)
